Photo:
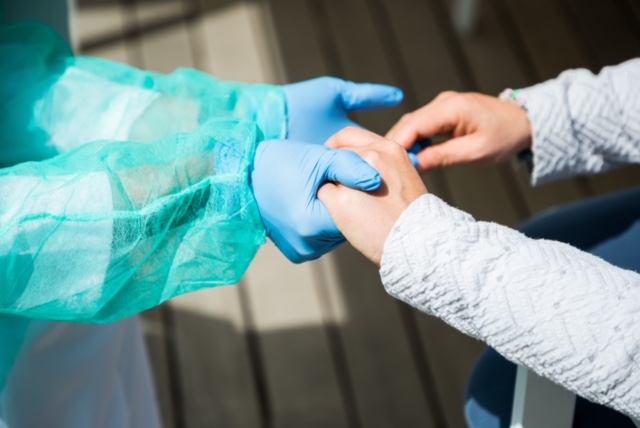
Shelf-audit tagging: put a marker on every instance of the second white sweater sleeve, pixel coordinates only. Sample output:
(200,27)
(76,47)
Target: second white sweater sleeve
(561,312)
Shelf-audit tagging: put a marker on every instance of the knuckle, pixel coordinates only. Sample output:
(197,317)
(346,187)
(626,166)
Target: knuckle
(445,95)
(371,156)
(460,102)
(389,148)
(395,149)
(467,100)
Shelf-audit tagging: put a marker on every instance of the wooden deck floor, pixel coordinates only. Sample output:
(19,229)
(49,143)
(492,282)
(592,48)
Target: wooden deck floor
(322,345)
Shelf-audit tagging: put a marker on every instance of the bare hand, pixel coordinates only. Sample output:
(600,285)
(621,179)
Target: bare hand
(366,219)
(485,130)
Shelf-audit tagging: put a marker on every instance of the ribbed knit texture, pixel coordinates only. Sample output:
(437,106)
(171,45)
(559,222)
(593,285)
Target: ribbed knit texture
(563,313)
(585,123)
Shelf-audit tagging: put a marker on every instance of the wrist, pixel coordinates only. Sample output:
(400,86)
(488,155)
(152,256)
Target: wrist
(516,98)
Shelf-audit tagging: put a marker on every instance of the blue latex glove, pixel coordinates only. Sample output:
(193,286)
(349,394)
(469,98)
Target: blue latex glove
(318,108)
(417,148)
(285,179)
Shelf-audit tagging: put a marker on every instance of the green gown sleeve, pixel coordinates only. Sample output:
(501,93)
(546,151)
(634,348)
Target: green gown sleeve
(121,188)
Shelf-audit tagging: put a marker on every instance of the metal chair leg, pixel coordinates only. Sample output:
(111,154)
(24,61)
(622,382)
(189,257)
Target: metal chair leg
(540,403)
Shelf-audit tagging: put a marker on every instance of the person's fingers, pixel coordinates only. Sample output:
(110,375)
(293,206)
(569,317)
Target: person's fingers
(369,96)
(333,198)
(438,117)
(346,167)
(462,150)
(352,137)
(417,148)
(327,194)
(414,160)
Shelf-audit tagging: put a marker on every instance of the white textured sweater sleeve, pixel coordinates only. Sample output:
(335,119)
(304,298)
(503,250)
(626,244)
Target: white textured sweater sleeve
(585,123)
(565,314)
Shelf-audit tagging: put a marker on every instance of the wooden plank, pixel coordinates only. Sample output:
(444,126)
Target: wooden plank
(301,385)
(489,59)
(379,377)
(550,40)
(264,36)
(457,353)
(553,45)
(213,361)
(363,58)
(418,28)
(360,54)
(610,36)
(634,7)
(165,49)
(96,20)
(103,25)
(99,20)
(298,43)
(149,12)
(492,54)
(538,402)
(496,64)
(382,366)
(228,48)
(155,335)
(497,60)
(535,45)
(465,15)
(118,52)
(481,192)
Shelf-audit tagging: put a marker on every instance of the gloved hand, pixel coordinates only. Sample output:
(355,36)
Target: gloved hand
(285,179)
(317,109)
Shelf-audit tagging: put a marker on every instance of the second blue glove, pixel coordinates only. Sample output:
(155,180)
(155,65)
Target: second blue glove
(318,108)
(285,179)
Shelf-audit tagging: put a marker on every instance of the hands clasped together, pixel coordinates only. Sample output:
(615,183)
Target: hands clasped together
(356,186)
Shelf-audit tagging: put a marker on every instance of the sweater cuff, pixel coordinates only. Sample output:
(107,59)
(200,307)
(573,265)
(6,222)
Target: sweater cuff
(396,264)
(414,250)
(554,146)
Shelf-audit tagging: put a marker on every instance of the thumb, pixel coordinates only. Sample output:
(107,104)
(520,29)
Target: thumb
(346,167)
(452,152)
(328,195)
(369,96)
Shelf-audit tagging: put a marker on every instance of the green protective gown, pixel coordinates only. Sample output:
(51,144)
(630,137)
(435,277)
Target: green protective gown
(121,188)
